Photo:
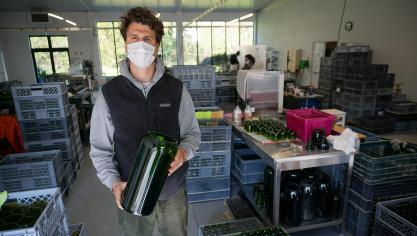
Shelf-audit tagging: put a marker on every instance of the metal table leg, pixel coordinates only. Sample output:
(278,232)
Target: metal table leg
(277,193)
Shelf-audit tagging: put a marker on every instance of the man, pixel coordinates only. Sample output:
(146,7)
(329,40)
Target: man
(143,98)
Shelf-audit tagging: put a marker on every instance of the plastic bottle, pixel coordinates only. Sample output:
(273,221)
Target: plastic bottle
(247,115)
(237,114)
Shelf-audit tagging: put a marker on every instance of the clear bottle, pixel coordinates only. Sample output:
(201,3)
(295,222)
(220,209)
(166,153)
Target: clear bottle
(237,114)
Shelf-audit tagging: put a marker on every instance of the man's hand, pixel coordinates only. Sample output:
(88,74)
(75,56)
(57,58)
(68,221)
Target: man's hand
(179,160)
(118,189)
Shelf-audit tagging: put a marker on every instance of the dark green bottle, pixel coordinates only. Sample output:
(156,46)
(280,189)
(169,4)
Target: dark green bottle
(149,173)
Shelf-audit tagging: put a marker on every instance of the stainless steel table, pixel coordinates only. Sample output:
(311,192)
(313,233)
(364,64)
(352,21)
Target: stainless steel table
(280,158)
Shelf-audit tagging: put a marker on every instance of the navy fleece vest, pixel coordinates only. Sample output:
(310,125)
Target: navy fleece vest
(133,116)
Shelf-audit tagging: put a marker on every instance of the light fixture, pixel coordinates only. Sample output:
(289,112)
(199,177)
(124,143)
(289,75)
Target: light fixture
(241,18)
(55,16)
(246,16)
(71,23)
(157,15)
(62,18)
(207,11)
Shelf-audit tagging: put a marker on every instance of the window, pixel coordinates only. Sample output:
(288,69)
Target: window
(212,42)
(168,48)
(50,55)
(112,51)
(111,47)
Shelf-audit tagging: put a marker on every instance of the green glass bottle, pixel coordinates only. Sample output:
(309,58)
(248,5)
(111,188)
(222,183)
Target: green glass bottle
(149,173)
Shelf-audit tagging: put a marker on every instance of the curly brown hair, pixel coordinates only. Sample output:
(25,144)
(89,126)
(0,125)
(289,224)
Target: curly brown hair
(145,17)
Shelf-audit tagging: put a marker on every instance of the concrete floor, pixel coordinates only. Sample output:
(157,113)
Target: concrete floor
(91,203)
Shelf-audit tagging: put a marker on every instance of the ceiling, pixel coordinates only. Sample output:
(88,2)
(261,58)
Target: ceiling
(122,5)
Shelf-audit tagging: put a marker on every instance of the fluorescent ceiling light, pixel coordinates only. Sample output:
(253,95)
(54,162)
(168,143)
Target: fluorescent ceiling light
(71,23)
(157,15)
(55,16)
(241,18)
(246,16)
(233,21)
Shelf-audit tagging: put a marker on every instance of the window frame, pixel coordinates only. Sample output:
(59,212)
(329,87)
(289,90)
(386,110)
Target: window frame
(51,51)
(196,26)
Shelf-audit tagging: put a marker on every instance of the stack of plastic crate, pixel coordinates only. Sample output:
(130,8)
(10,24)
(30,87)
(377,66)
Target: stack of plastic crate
(382,171)
(326,80)
(208,176)
(225,90)
(44,115)
(32,170)
(200,82)
(362,89)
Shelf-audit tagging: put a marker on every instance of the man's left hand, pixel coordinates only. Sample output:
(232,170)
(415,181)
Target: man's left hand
(179,160)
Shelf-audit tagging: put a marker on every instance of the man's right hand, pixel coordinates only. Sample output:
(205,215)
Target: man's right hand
(118,189)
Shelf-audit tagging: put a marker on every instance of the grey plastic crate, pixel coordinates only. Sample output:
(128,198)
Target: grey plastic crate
(393,221)
(42,107)
(65,145)
(210,165)
(203,185)
(208,196)
(189,72)
(409,126)
(230,227)
(80,228)
(32,170)
(52,221)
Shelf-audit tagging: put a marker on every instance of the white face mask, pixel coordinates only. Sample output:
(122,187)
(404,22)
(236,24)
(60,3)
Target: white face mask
(141,54)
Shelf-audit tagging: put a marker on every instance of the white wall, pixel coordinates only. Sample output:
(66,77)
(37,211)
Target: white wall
(389,27)
(16,47)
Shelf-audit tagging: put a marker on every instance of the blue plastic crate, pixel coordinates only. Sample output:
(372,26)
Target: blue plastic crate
(249,178)
(208,196)
(220,133)
(31,170)
(213,171)
(47,135)
(248,161)
(358,220)
(208,159)
(214,147)
(203,185)
(41,125)
(204,103)
(29,108)
(52,220)
(65,145)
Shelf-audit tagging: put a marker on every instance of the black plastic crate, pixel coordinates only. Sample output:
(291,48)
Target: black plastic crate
(402,186)
(377,122)
(402,108)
